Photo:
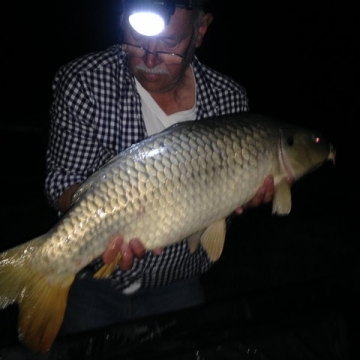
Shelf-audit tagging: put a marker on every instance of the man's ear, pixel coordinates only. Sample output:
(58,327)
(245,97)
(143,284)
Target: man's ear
(204,24)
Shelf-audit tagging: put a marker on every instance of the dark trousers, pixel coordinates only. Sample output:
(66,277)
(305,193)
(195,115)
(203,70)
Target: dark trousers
(95,303)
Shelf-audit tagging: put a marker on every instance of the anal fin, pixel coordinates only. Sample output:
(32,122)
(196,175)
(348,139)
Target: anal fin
(194,240)
(107,269)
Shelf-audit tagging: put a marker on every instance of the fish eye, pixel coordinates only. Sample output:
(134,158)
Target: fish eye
(317,139)
(290,140)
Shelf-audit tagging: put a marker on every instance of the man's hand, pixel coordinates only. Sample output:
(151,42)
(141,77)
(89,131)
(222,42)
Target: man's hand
(128,251)
(135,249)
(262,196)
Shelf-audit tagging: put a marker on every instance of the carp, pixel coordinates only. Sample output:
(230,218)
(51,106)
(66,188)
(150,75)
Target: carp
(181,183)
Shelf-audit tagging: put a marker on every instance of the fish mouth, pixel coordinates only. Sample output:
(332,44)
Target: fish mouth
(332,154)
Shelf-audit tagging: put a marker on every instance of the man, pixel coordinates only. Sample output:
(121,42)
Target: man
(103,103)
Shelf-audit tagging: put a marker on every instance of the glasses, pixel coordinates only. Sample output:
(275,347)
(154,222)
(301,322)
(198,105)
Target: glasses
(139,52)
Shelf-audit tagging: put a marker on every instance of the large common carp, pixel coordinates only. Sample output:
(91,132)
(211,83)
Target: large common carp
(180,183)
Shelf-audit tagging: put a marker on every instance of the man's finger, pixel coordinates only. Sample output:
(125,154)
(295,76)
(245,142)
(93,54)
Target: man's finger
(269,189)
(112,249)
(127,257)
(157,251)
(137,248)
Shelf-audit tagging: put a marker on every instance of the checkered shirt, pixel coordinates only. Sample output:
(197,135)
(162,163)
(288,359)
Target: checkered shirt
(95,114)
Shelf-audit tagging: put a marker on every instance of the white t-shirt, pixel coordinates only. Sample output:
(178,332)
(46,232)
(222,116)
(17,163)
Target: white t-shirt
(155,118)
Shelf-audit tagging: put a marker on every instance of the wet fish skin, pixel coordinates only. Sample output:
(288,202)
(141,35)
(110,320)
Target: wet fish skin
(180,183)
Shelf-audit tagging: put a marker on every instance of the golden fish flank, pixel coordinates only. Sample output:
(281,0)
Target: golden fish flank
(181,183)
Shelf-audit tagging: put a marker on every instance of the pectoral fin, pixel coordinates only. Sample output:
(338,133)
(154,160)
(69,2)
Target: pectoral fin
(213,239)
(281,203)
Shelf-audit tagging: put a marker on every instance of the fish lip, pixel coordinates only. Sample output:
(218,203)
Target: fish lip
(332,154)
(283,160)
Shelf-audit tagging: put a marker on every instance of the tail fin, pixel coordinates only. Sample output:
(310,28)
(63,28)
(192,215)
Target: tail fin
(41,302)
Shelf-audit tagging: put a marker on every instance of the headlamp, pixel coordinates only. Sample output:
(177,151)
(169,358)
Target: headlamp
(149,17)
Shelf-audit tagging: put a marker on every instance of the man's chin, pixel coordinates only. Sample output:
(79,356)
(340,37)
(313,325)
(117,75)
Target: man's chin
(152,87)
(153,82)
(151,77)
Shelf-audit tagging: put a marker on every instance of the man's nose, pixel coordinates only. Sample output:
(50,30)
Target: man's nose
(151,59)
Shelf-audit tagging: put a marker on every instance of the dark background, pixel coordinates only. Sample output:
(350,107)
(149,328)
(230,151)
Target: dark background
(299,62)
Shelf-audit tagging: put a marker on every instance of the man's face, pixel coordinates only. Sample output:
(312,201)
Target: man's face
(177,37)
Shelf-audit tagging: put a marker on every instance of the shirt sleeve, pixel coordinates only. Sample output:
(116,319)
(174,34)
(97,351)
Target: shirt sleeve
(217,93)
(73,151)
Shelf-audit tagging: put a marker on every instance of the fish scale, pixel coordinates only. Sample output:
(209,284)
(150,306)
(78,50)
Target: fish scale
(181,183)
